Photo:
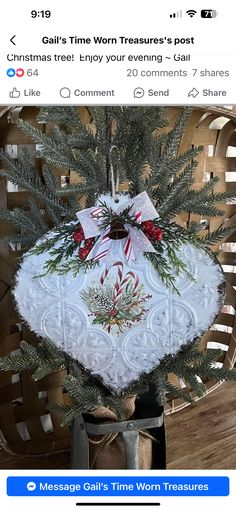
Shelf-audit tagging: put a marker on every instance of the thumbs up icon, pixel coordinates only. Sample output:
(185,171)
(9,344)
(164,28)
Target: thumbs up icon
(14,94)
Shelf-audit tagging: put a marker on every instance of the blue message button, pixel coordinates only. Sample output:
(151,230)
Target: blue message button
(118,486)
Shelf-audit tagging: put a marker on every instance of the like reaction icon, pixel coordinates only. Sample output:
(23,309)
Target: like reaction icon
(14,94)
(11,72)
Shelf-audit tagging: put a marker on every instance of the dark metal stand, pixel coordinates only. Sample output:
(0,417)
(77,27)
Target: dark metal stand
(143,420)
(146,407)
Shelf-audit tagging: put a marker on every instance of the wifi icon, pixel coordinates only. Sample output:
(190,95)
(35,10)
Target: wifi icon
(191,13)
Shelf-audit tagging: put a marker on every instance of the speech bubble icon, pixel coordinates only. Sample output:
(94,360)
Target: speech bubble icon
(65,92)
(138,92)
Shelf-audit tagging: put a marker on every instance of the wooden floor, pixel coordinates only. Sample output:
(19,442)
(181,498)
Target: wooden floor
(199,437)
(204,436)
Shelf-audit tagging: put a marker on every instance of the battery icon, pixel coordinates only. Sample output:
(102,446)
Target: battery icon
(209,13)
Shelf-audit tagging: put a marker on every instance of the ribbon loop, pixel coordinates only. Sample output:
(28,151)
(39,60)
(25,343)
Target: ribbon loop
(141,209)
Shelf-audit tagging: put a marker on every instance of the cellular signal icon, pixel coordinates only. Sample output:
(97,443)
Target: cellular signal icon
(177,14)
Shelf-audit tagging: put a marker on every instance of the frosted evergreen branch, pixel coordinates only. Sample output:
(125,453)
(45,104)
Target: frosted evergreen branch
(223,197)
(73,386)
(68,412)
(164,168)
(51,183)
(219,234)
(23,223)
(55,216)
(175,194)
(158,378)
(37,217)
(57,155)
(17,173)
(17,363)
(182,393)
(46,368)
(201,209)
(46,346)
(57,114)
(198,386)
(6,215)
(74,189)
(175,136)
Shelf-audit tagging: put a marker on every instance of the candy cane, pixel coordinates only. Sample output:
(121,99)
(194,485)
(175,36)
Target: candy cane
(136,281)
(128,249)
(104,246)
(107,269)
(121,284)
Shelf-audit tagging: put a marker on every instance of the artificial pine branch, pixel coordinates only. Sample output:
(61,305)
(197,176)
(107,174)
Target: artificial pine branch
(88,393)
(28,229)
(176,192)
(158,379)
(55,154)
(68,412)
(175,136)
(181,393)
(24,175)
(164,168)
(219,234)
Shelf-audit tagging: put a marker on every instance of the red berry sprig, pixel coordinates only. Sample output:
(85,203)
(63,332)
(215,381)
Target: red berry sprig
(152,232)
(88,244)
(86,248)
(78,235)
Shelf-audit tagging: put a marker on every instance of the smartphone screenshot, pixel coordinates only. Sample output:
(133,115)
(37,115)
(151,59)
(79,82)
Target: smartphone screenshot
(117,255)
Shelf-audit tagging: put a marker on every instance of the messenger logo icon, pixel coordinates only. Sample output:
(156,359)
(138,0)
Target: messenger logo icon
(31,486)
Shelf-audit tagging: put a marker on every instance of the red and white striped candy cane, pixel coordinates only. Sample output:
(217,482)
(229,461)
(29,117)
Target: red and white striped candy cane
(128,248)
(121,283)
(105,241)
(104,246)
(119,265)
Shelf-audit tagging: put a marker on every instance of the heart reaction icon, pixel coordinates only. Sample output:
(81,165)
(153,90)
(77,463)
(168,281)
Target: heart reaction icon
(20,72)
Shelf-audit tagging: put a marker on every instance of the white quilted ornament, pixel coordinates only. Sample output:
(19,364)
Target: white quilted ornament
(119,319)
